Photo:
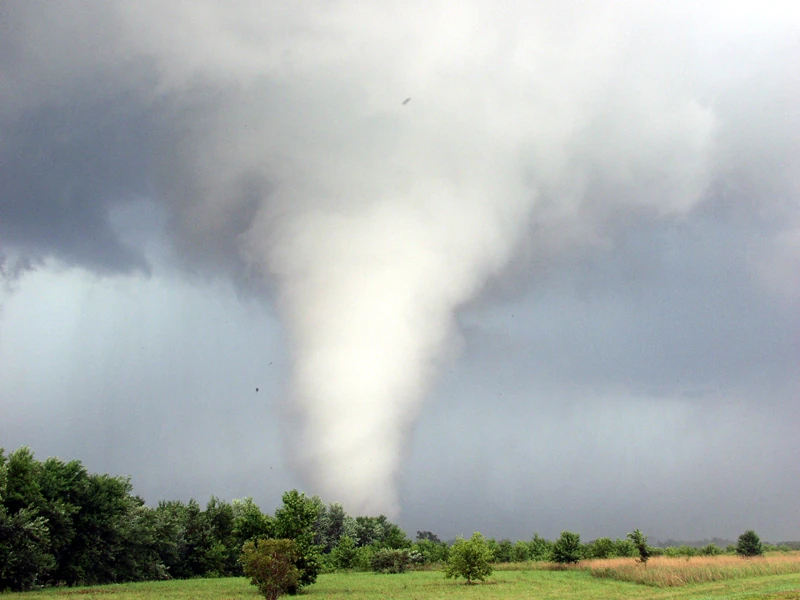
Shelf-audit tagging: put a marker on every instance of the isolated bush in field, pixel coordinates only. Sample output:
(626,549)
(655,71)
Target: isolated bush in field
(390,560)
(640,541)
(470,559)
(749,544)
(270,565)
(567,548)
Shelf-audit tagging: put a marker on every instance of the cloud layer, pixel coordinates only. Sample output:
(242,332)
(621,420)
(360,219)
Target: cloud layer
(271,146)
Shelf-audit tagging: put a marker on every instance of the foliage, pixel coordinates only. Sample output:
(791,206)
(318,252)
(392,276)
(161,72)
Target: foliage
(749,544)
(567,548)
(504,552)
(541,549)
(430,551)
(344,554)
(429,536)
(331,525)
(602,548)
(391,560)
(470,559)
(271,566)
(521,552)
(295,520)
(640,542)
(711,550)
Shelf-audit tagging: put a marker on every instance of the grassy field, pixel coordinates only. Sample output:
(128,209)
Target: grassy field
(576,584)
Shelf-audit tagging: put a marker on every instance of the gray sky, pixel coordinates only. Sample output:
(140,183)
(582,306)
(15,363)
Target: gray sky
(558,289)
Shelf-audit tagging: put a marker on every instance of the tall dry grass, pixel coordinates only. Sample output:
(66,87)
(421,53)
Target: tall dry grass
(663,571)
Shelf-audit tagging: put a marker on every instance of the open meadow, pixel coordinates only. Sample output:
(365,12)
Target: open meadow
(775,577)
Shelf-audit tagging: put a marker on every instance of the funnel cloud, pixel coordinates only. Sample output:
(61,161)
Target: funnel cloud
(263,143)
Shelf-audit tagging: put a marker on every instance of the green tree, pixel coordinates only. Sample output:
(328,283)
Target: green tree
(332,523)
(749,544)
(602,548)
(639,540)
(504,551)
(567,548)
(522,552)
(470,559)
(249,523)
(541,548)
(344,553)
(271,566)
(294,520)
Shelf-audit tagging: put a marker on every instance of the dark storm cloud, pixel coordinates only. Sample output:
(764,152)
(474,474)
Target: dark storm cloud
(65,169)
(637,167)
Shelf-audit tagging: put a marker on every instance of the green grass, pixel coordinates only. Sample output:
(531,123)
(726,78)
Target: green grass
(431,585)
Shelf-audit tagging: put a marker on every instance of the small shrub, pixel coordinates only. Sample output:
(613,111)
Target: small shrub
(387,560)
(749,544)
(711,550)
(470,559)
(270,565)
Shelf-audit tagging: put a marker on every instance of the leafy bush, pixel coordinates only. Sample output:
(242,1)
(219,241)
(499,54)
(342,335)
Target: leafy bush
(470,559)
(711,550)
(389,560)
(567,548)
(749,544)
(270,564)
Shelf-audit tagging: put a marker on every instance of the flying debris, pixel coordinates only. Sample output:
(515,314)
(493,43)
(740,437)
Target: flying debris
(406,101)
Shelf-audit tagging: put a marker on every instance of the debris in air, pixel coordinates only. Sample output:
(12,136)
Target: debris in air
(256,389)
(406,101)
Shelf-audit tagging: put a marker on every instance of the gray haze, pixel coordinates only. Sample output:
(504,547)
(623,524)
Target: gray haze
(560,289)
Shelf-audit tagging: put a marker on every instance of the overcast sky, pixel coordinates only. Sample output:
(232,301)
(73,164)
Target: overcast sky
(559,288)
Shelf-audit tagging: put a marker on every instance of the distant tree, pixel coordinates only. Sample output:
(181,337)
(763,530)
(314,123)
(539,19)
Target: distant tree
(711,550)
(522,552)
(624,548)
(332,523)
(640,542)
(271,566)
(602,548)
(249,523)
(344,553)
(504,552)
(749,544)
(540,548)
(427,535)
(470,559)
(567,548)
(430,552)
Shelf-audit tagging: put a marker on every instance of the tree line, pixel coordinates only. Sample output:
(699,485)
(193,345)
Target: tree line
(61,525)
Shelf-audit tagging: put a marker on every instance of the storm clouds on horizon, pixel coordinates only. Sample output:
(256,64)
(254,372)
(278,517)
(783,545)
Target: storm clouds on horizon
(560,289)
